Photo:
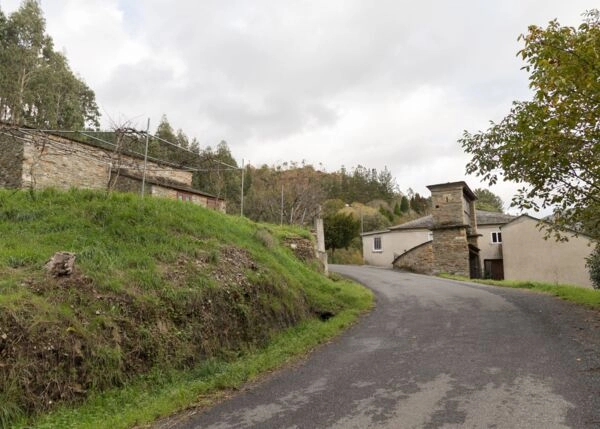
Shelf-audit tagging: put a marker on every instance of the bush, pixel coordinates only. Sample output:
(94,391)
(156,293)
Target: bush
(593,264)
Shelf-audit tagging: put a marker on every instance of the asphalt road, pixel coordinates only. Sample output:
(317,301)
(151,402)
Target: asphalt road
(436,353)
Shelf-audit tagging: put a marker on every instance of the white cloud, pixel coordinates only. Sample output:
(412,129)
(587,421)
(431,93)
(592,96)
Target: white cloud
(386,83)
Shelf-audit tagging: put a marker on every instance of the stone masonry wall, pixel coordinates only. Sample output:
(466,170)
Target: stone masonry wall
(473,216)
(451,251)
(159,191)
(218,205)
(127,184)
(62,163)
(447,207)
(419,259)
(11,162)
(172,194)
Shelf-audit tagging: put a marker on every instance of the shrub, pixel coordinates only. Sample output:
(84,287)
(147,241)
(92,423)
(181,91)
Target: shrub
(593,264)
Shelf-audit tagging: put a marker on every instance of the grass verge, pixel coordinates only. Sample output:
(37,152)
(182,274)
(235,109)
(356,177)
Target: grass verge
(159,394)
(576,294)
(160,288)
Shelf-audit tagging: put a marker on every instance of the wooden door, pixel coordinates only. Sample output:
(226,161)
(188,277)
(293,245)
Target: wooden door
(494,269)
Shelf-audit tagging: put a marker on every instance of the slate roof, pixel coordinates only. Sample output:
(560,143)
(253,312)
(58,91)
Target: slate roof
(422,222)
(159,181)
(449,185)
(483,218)
(381,231)
(492,218)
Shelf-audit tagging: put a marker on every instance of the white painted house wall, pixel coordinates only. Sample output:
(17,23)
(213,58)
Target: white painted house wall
(527,256)
(393,243)
(488,249)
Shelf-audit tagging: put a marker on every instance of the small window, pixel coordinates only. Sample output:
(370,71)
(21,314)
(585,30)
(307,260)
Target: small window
(377,244)
(182,196)
(496,237)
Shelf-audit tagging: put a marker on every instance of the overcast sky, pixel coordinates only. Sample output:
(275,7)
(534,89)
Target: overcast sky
(338,82)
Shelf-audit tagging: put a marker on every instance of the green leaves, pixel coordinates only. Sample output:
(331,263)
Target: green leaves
(551,143)
(340,229)
(488,201)
(593,264)
(37,86)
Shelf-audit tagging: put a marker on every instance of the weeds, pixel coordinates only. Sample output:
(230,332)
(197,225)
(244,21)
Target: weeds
(159,287)
(577,294)
(265,237)
(204,384)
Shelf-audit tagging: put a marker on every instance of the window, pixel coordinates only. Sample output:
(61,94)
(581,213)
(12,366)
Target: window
(377,244)
(182,196)
(496,237)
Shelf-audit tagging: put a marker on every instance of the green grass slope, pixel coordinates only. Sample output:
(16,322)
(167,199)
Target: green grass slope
(158,285)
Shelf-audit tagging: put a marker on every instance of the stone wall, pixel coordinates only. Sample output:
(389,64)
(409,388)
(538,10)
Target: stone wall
(419,259)
(159,191)
(173,194)
(156,171)
(454,228)
(451,251)
(215,204)
(447,207)
(129,184)
(57,164)
(11,165)
(42,161)
(62,163)
(473,218)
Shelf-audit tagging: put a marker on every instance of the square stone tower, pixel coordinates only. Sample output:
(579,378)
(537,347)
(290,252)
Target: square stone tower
(455,248)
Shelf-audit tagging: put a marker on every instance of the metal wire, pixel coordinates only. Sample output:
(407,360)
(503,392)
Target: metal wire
(34,133)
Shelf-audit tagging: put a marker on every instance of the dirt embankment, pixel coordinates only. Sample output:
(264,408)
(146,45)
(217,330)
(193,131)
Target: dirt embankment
(196,285)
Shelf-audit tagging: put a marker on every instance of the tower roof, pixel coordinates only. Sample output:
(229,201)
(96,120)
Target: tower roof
(453,185)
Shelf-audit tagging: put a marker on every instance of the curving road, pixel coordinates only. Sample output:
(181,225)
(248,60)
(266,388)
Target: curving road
(436,353)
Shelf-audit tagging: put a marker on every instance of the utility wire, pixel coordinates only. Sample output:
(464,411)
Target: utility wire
(141,133)
(36,133)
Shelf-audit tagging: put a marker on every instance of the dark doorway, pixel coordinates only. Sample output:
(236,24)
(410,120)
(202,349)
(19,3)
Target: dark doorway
(493,269)
(474,264)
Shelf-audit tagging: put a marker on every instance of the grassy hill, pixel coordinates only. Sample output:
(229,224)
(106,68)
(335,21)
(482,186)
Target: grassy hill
(158,285)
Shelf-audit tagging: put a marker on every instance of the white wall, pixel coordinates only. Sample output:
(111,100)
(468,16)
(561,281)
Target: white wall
(487,249)
(527,256)
(393,243)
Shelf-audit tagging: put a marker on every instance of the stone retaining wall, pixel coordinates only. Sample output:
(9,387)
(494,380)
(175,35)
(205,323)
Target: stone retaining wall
(419,259)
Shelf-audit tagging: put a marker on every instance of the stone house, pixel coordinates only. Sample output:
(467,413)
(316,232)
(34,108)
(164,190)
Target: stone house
(458,239)
(33,160)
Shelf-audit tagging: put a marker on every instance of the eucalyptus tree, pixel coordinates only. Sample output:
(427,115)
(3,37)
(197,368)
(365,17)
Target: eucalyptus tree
(37,86)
